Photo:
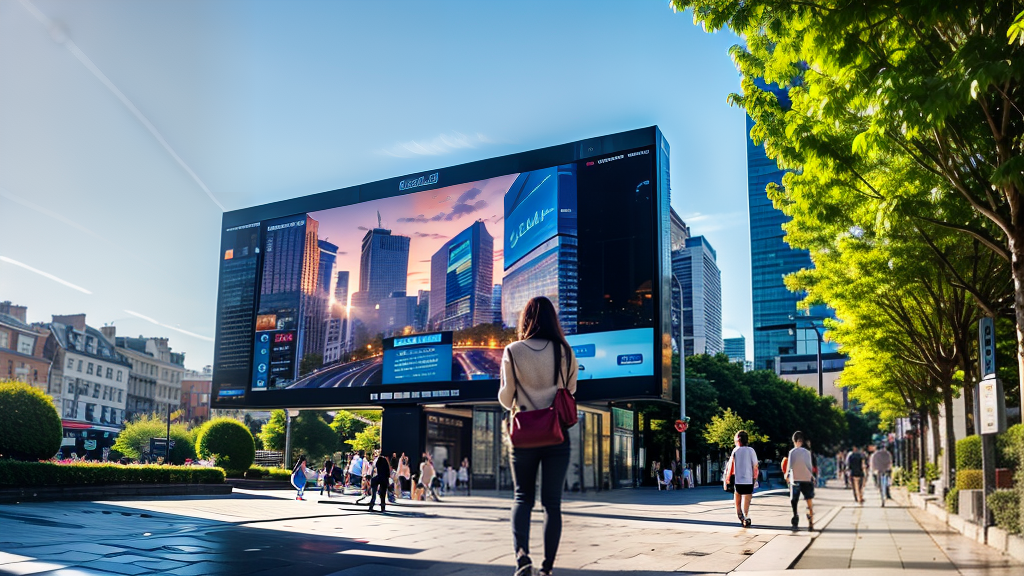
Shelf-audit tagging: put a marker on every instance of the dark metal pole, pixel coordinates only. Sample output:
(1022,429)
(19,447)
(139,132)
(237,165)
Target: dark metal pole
(821,386)
(167,453)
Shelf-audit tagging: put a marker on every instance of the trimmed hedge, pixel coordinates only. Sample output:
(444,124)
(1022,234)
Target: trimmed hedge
(1008,444)
(264,473)
(30,427)
(1005,506)
(227,442)
(968,453)
(970,479)
(14,473)
(953,500)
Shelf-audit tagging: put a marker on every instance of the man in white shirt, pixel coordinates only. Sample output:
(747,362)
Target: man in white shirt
(881,465)
(800,475)
(355,470)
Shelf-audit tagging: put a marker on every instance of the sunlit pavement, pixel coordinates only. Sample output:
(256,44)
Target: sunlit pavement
(625,531)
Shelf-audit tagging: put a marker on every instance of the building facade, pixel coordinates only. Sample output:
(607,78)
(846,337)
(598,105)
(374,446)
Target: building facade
(21,348)
(151,359)
(383,264)
(700,282)
(195,395)
(736,349)
(466,263)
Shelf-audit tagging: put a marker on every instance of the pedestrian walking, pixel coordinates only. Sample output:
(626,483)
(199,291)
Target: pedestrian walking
(687,478)
(427,477)
(381,480)
(742,471)
(328,475)
(855,463)
(881,465)
(355,470)
(532,371)
(800,475)
(299,478)
(463,478)
(404,488)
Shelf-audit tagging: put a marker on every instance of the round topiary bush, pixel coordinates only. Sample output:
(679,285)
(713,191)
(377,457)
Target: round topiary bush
(228,443)
(30,426)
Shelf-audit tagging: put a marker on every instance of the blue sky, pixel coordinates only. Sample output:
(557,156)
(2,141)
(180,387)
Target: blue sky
(127,127)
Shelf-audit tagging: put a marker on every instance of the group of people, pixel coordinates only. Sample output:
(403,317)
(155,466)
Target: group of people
(857,464)
(672,476)
(742,470)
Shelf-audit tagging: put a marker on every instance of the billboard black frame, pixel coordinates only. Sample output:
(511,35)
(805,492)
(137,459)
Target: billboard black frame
(655,387)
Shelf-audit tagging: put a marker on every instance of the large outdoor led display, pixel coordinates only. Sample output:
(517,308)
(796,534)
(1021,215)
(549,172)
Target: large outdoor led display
(407,290)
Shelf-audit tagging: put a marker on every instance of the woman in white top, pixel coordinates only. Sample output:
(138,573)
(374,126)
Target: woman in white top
(743,465)
(532,370)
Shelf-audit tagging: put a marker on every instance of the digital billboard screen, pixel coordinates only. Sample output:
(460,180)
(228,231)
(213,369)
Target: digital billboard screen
(409,289)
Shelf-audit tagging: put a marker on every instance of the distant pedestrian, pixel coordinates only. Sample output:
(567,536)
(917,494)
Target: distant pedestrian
(355,470)
(404,488)
(328,478)
(381,479)
(451,479)
(855,463)
(427,477)
(299,478)
(800,475)
(463,478)
(742,467)
(881,465)
(687,478)
(532,370)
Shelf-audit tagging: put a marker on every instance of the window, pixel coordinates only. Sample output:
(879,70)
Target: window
(71,363)
(95,391)
(4,340)
(89,371)
(110,373)
(79,365)
(106,390)
(90,412)
(119,373)
(26,344)
(119,398)
(71,387)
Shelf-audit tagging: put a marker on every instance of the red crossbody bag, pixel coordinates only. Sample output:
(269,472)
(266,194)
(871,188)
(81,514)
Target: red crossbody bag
(544,427)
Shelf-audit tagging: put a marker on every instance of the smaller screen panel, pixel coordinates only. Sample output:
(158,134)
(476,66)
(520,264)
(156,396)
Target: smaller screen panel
(418,358)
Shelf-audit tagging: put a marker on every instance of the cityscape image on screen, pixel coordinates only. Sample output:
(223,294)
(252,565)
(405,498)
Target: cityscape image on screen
(428,286)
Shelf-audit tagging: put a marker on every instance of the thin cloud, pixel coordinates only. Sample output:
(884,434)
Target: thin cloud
(468,195)
(442,144)
(361,228)
(705,223)
(59,35)
(44,274)
(460,210)
(431,236)
(169,327)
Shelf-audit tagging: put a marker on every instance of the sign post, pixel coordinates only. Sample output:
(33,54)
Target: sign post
(990,408)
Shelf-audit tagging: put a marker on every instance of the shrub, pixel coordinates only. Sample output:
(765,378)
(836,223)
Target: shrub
(1006,511)
(970,479)
(13,473)
(968,453)
(264,473)
(133,441)
(228,443)
(1008,444)
(30,427)
(953,500)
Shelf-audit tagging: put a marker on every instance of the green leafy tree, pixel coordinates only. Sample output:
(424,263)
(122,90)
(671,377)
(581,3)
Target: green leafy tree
(312,436)
(273,432)
(30,427)
(722,429)
(368,439)
(914,105)
(346,425)
(133,441)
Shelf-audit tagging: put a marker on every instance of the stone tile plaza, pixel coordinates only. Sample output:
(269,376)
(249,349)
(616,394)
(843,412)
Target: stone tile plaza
(573,287)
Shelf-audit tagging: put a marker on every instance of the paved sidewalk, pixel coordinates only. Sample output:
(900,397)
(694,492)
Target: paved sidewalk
(896,539)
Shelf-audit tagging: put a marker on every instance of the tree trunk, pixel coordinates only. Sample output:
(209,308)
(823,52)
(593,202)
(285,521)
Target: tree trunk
(1015,242)
(949,450)
(936,439)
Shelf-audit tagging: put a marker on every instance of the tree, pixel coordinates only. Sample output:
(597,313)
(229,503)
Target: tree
(368,439)
(913,105)
(133,441)
(273,432)
(723,427)
(312,436)
(346,425)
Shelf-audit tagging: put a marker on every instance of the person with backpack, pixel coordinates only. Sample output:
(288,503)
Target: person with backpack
(538,378)
(741,472)
(855,463)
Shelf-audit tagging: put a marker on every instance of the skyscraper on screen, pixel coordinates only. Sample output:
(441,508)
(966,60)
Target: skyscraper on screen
(461,280)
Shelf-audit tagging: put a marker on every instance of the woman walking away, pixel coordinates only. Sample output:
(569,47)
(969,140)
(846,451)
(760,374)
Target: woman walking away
(743,466)
(299,477)
(532,370)
(328,478)
(381,479)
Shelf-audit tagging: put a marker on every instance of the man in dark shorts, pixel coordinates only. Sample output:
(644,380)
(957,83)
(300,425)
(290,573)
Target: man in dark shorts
(855,464)
(800,474)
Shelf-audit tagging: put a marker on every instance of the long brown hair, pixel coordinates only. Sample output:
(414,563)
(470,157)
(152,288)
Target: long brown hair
(539,320)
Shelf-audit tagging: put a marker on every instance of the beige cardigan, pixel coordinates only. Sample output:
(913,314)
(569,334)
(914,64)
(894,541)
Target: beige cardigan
(535,369)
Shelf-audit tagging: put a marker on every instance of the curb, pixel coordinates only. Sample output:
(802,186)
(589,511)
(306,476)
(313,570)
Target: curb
(108,492)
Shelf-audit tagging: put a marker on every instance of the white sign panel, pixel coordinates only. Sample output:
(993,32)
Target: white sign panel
(991,406)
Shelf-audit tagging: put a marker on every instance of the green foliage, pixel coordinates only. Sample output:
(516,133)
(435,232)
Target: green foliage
(862,426)
(346,425)
(368,439)
(899,476)
(1006,510)
(265,473)
(1009,447)
(273,432)
(968,453)
(30,427)
(312,436)
(970,479)
(953,500)
(13,473)
(228,443)
(722,429)
(133,441)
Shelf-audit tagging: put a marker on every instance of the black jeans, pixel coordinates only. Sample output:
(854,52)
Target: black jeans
(554,462)
(379,486)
